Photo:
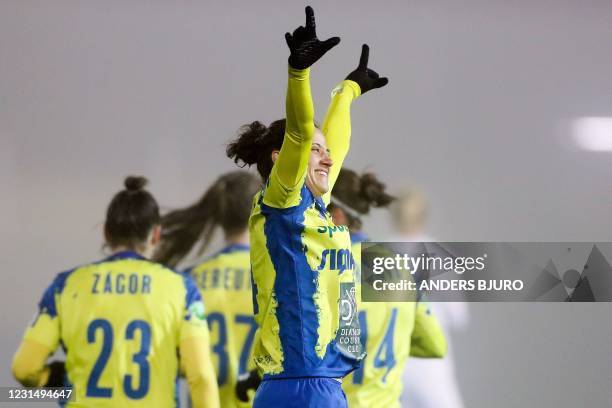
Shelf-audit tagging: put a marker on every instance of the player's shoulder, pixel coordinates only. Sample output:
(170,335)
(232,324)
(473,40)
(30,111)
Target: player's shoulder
(292,208)
(276,198)
(224,256)
(59,281)
(204,263)
(55,288)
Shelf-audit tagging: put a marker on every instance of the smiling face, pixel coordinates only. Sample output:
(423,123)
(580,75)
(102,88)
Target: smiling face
(319,165)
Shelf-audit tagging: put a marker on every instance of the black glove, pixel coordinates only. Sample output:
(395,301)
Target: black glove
(57,375)
(246,382)
(305,47)
(364,76)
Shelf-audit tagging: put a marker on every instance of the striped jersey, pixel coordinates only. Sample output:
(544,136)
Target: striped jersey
(302,264)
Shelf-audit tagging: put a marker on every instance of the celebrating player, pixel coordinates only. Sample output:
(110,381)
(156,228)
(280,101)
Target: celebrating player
(224,278)
(301,261)
(390,331)
(125,323)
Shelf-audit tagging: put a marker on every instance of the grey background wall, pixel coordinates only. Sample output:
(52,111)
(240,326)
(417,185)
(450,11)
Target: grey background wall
(477,114)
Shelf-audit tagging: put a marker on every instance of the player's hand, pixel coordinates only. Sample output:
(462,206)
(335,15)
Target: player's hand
(305,47)
(247,382)
(366,78)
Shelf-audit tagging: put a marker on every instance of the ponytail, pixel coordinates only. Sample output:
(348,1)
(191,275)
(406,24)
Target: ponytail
(255,143)
(227,203)
(357,194)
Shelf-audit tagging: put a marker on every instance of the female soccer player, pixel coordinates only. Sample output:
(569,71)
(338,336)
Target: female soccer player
(125,322)
(224,279)
(301,261)
(390,331)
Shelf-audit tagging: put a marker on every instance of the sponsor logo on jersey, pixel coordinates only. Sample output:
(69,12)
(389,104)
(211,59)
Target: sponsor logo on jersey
(324,229)
(337,260)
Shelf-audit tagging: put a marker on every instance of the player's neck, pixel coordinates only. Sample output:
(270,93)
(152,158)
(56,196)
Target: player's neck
(139,251)
(241,238)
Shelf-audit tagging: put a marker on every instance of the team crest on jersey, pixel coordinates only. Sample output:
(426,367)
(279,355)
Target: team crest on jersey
(348,336)
(196,311)
(348,304)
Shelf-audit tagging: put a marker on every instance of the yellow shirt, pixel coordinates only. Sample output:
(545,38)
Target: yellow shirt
(302,262)
(224,280)
(120,322)
(390,333)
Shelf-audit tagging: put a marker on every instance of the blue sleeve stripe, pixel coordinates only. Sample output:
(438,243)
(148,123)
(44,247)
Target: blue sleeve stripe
(192,294)
(47,304)
(294,286)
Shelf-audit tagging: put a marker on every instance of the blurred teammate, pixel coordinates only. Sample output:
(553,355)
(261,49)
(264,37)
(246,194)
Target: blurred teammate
(224,279)
(302,263)
(390,331)
(125,323)
(428,383)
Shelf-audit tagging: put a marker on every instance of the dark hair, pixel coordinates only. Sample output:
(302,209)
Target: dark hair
(359,193)
(227,203)
(255,143)
(131,215)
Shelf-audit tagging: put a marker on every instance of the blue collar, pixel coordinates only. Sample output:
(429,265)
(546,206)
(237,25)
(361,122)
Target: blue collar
(318,203)
(233,248)
(357,237)
(320,206)
(124,255)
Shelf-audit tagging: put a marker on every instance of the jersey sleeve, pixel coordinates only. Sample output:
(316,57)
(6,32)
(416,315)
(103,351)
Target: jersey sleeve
(289,170)
(194,321)
(428,338)
(199,372)
(337,128)
(29,364)
(45,329)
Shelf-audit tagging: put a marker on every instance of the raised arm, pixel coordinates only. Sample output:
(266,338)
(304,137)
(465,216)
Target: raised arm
(337,123)
(337,129)
(291,164)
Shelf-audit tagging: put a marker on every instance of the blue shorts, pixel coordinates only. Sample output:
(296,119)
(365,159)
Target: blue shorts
(315,392)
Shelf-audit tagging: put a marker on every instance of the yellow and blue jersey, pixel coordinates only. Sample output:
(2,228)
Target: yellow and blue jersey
(302,263)
(390,333)
(120,322)
(224,280)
